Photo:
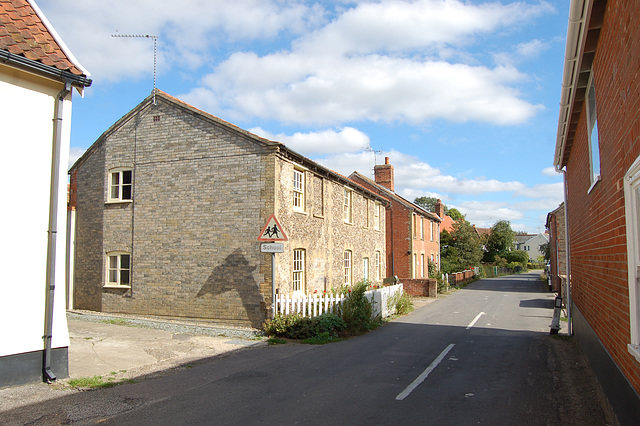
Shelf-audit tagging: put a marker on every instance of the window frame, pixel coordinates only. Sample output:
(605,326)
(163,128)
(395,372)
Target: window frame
(376,265)
(348,267)
(592,129)
(118,269)
(347,206)
(120,185)
(376,216)
(365,268)
(298,269)
(631,186)
(298,202)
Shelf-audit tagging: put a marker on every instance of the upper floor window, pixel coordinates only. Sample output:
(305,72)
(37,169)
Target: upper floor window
(298,190)
(376,216)
(118,269)
(431,229)
(421,227)
(347,206)
(120,185)
(592,133)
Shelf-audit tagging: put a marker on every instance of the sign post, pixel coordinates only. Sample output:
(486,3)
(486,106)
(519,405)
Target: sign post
(270,236)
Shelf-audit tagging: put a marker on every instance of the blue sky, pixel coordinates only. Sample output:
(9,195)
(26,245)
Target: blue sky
(461,95)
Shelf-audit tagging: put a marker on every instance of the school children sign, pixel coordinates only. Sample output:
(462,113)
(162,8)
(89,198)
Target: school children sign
(273,231)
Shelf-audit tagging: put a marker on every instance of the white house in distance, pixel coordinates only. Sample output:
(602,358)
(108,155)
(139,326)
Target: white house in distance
(531,244)
(37,76)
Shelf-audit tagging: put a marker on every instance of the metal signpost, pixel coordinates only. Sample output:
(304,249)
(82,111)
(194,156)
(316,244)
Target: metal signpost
(270,236)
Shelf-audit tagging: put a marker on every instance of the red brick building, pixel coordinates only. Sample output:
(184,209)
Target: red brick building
(413,234)
(598,148)
(557,249)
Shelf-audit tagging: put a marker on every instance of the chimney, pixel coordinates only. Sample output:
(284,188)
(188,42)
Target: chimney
(384,174)
(439,208)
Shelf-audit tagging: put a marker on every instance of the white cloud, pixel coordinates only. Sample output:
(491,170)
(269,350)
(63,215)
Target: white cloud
(74,154)
(324,142)
(550,171)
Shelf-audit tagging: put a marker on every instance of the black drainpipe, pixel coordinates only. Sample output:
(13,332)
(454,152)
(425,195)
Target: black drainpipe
(48,375)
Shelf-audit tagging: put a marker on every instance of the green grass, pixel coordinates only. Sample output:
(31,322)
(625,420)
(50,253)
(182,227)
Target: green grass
(115,321)
(276,341)
(97,382)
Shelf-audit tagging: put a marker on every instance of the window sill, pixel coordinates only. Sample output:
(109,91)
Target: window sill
(595,182)
(634,350)
(319,216)
(124,287)
(300,212)
(119,202)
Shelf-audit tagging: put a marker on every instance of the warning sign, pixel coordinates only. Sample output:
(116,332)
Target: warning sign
(273,231)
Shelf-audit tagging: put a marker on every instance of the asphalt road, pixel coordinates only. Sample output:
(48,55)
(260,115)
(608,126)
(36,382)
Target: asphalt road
(482,355)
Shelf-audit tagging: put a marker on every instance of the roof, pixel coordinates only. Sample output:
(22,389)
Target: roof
(391,194)
(26,32)
(279,147)
(585,21)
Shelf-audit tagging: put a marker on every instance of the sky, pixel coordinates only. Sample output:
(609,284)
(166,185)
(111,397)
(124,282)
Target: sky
(462,96)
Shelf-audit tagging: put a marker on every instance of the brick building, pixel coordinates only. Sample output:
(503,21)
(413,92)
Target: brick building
(170,203)
(598,149)
(413,234)
(557,249)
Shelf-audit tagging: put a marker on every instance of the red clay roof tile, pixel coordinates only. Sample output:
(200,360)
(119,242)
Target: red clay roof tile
(23,33)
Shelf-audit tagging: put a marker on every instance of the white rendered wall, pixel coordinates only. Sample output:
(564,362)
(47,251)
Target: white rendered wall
(26,116)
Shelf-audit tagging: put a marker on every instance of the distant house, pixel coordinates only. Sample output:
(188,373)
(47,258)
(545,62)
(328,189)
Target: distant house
(557,249)
(531,244)
(171,202)
(447,221)
(413,234)
(37,76)
(598,149)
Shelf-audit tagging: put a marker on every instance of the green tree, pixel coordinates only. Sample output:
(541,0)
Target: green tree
(454,214)
(546,251)
(427,203)
(461,248)
(500,241)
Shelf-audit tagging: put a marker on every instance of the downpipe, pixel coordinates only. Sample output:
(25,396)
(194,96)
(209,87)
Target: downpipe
(52,232)
(567,246)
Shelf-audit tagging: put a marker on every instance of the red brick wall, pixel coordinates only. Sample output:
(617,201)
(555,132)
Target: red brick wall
(597,219)
(420,287)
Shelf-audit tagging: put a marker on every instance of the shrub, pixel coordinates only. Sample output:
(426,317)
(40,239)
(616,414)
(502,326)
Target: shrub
(402,302)
(356,310)
(298,327)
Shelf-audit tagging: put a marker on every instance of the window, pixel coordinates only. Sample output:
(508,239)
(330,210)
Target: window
(365,268)
(376,265)
(431,229)
(592,133)
(120,185)
(319,196)
(422,228)
(347,267)
(298,270)
(347,206)
(632,211)
(422,266)
(415,266)
(298,190)
(376,216)
(118,269)
(415,226)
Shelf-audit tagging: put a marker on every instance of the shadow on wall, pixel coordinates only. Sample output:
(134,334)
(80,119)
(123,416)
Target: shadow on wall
(235,273)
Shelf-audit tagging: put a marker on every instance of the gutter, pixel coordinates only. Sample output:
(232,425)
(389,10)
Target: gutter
(79,81)
(48,375)
(575,31)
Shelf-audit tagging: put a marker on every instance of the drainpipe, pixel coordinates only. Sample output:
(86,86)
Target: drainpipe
(566,243)
(48,375)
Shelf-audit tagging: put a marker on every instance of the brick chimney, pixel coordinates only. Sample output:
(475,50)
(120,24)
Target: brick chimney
(439,208)
(384,174)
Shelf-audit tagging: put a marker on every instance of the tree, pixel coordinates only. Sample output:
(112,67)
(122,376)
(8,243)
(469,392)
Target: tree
(427,203)
(454,214)
(546,251)
(461,248)
(500,241)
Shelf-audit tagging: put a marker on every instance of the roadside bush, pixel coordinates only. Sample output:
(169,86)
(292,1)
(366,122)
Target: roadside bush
(356,310)
(402,302)
(295,326)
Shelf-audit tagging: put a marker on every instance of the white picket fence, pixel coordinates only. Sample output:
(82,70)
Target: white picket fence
(314,305)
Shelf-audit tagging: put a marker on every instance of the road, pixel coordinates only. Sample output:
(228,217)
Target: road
(482,355)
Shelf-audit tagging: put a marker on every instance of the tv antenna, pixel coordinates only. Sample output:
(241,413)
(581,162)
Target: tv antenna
(155,50)
(375,156)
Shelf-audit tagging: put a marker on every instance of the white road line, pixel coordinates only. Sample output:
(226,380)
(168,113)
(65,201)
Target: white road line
(475,319)
(421,378)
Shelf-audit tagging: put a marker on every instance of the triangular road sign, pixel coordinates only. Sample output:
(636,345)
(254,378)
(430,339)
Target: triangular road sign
(273,231)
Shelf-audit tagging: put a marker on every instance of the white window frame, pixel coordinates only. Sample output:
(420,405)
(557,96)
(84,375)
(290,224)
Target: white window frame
(376,216)
(119,186)
(376,265)
(117,269)
(347,205)
(431,229)
(299,271)
(631,184)
(348,267)
(365,268)
(298,190)
(592,133)
(422,269)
